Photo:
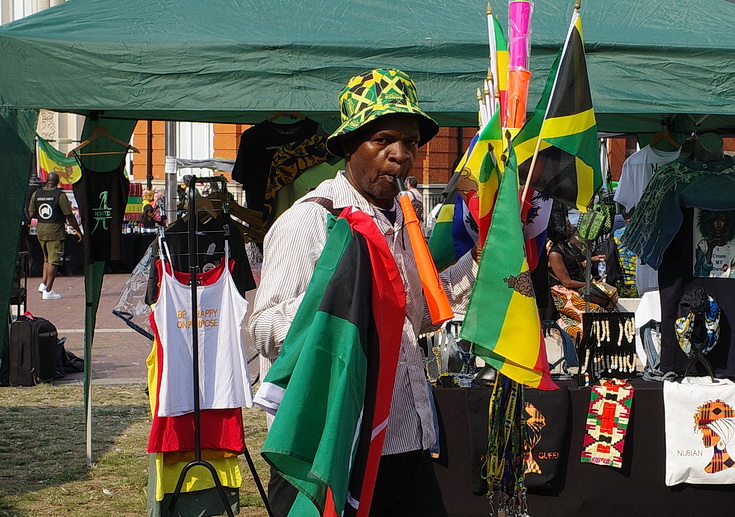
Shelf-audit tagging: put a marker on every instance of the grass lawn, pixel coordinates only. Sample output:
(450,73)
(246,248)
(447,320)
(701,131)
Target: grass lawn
(43,468)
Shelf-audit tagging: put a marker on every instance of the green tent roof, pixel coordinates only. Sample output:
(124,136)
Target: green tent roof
(237,60)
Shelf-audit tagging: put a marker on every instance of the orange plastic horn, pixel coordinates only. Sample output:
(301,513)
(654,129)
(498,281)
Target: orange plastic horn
(436,298)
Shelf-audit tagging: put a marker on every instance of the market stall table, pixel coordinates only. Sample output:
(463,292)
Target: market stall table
(582,489)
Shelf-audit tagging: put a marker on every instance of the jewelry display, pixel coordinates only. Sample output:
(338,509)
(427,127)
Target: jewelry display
(629,329)
(607,346)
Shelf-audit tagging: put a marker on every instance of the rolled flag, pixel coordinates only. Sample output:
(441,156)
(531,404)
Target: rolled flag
(518,81)
(519,29)
(519,46)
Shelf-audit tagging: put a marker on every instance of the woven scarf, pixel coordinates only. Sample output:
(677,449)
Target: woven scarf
(607,422)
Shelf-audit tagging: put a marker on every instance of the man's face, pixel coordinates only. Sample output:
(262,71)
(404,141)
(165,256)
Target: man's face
(386,150)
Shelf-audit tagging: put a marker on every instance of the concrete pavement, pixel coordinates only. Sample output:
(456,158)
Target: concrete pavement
(118,352)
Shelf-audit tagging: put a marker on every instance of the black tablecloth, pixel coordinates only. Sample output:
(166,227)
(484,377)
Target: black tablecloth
(582,489)
(134,247)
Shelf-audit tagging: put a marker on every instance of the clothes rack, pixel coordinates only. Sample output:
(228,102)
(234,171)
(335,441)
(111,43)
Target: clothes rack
(217,183)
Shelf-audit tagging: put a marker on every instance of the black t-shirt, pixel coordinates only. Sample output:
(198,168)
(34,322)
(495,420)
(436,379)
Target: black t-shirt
(102,197)
(211,246)
(258,144)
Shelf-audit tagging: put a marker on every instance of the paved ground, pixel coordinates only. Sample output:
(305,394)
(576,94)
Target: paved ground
(118,353)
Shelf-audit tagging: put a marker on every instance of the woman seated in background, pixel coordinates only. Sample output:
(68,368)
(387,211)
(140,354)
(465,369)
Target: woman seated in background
(566,278)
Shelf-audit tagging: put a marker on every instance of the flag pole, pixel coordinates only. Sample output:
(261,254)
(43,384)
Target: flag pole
(492,42)
(483,109)
(530,169)
(490,92)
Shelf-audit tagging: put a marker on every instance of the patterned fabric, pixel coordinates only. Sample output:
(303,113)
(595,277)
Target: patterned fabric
(288,163)
(376,93)
(627,259)
(607,422)
(684,328)
(571,306)
(681,183)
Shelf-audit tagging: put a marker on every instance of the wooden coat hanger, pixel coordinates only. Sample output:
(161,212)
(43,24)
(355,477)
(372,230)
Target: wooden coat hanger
(206,210)
(102,132)
(247,215)
(294,115)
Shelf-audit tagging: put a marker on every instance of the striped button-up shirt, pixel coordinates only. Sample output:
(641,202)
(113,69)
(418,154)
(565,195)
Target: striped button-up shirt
(291,250)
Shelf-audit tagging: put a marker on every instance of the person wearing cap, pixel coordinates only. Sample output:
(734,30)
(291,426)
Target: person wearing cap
(382,129)
(52,207)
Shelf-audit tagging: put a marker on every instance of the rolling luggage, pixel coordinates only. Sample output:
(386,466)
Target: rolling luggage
(32,348)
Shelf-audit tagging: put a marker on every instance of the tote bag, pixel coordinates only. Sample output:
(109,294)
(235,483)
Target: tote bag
(700,431)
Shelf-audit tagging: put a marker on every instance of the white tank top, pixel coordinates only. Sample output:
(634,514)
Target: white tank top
(224,381)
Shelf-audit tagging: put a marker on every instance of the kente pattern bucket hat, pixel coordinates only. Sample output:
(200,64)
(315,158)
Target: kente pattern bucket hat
(374,94)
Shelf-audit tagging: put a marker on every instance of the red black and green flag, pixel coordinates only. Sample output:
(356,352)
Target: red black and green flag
(568,163)
(333,381)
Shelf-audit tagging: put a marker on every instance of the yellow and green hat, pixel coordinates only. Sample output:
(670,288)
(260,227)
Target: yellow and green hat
(373,94)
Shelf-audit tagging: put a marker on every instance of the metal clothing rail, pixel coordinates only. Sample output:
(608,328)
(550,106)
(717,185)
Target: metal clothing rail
(221,182)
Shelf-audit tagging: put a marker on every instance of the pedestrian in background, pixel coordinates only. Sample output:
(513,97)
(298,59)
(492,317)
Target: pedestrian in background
(53,210)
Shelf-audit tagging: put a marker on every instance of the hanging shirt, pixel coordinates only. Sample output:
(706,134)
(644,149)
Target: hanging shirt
(211,238)
(258,144)
(102,197)
(219,429)
(224,381)
(638,169)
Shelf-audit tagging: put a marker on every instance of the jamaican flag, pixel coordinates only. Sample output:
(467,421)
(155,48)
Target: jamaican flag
(568,164)
(333,381)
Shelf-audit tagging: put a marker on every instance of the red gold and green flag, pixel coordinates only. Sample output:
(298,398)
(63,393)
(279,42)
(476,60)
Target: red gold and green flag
(51,159)
(479,173)
(500,66)
(502,319)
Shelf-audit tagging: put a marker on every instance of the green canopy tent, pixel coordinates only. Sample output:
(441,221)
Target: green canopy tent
(241,60)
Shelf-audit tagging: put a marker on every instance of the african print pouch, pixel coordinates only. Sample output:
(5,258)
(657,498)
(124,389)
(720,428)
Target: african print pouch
(700,431)
(608,418)
(547,414)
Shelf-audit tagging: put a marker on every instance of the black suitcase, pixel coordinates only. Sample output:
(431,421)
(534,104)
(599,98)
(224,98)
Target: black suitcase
(32,351)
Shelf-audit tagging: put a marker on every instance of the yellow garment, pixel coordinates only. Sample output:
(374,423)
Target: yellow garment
(197,478)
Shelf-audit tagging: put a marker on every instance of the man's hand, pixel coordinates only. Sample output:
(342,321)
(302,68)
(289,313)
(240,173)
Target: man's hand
(476,253)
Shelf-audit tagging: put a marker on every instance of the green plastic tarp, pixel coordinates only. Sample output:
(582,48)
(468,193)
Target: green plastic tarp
(236,60)
(648,61)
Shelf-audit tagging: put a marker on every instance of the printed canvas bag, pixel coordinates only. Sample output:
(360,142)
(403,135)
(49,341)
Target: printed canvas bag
(700,431)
